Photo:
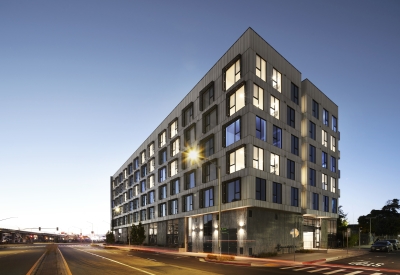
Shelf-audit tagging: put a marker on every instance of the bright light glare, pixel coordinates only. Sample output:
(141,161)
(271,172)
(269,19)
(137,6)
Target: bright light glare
(193,155)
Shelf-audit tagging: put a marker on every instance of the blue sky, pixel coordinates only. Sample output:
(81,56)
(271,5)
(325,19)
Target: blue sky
(79,81)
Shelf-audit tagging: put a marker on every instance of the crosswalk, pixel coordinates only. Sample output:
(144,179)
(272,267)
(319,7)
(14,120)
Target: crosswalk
(330,270)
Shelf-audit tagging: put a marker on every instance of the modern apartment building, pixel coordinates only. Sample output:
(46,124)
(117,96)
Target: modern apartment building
(273,137)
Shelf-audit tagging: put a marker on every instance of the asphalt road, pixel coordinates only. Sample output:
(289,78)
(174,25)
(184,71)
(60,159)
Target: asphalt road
(19,259)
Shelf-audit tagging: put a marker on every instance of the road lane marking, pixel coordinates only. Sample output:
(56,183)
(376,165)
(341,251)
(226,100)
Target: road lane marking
(355,272)
(289,267)
(304,268)
(138,269)
(376,273)
(36,264)
(65,262)
(317,270)
(335,271)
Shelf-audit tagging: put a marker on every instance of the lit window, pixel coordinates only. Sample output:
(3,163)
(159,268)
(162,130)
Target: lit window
(236,160)
(277,136)
(325,117)
(173,168)
(324,182)
(324,138)
(294,94)
(261,129)
(162,139)
(258,97)
(231,191)
(274,164)
(258,158)
(173,129)
(276,80)
(232,75)
(261,68)
(291,172)
(333,185)
(276,192)
(232,132)
(175,147)
(333,143)
(143,157)
(236,100)
(151,165)
(274,108)
(261,189)
(151,181)
(151,149)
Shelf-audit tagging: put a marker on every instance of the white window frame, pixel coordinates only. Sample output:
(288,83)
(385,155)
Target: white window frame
(258,97)
(175,147)
(173,128)
(258,158)
(274,107)
(324,181)
(274,164)
(237,160)
(333,185)
(324,138)
(237,100)
(261,67)
(333,143)
(277,80)
(173,168)
(232,74)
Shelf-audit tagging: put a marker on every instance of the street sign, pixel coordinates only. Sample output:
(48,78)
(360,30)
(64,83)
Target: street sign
(294,232)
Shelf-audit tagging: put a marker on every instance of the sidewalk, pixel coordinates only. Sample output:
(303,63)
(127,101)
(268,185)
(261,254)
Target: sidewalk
(317,257)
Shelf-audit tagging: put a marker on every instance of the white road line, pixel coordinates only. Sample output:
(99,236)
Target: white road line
(355,272)
(289,267)
(317,270)
(304,268)
(376,273)
(144,271)
(335,271)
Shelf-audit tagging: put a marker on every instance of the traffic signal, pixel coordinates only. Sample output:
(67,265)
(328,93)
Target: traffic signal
(39,228)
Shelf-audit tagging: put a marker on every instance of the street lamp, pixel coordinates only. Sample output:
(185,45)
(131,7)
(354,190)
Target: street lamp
(370,232)
(92,230)
(194,156)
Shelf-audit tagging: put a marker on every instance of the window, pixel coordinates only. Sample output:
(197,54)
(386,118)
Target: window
(207,146)
(333,164)
(324,138)
(162,210)
(231,191)
(324,160)
(261,189)
(175,186)
(136,216)
(207,225)
(142,186)
(291,169)
(294,196)
(130,180)
(151,197)
(143,170)
(312,177)
(232,132)
(162,138)
(135,190)
(325,117)
(162,156)
(334,205)
(175,147)
(130,169)
(276,192)
(130,194)
(173,207)
(315,201)
(143,215)
(207,197)
(261,128)
(261,68)
(258,158)
(162,174)
(190,135)
(276,80)
(231,74)
(188,203)
(312,130)
(162,191)
(210,119)
(143,200)
(151,181)
(173,128)
(235,101)
(274,164)
(258,97)
(236,160)
(333,143)
(151,213)
(173,168)
(324,182)
(326,203)
(151,165)
(295,145)
(209,170)
(187,115)
(136,163)
(190,179)
(274,108)
(207,96)
(334,124)
(315,109)
(313,154)
(151,149)
(294,95)
(333,185)
(277,136)
(291,117)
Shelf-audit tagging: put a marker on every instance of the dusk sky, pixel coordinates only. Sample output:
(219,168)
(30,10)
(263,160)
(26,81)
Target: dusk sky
(84,83)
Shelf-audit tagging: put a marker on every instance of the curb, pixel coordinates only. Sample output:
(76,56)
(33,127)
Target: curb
(226,262)
(314,261)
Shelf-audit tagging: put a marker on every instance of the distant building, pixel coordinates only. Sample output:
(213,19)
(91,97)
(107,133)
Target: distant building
(275,139)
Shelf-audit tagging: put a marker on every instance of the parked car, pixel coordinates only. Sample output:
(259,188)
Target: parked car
(395,243)
(382,246)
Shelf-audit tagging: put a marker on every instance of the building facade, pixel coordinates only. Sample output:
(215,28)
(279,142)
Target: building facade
(272,137)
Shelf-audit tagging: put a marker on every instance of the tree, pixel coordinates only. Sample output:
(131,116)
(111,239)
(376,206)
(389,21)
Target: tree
(141,234)
(342,224)
(137,234)
(134,234)
(110,238)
